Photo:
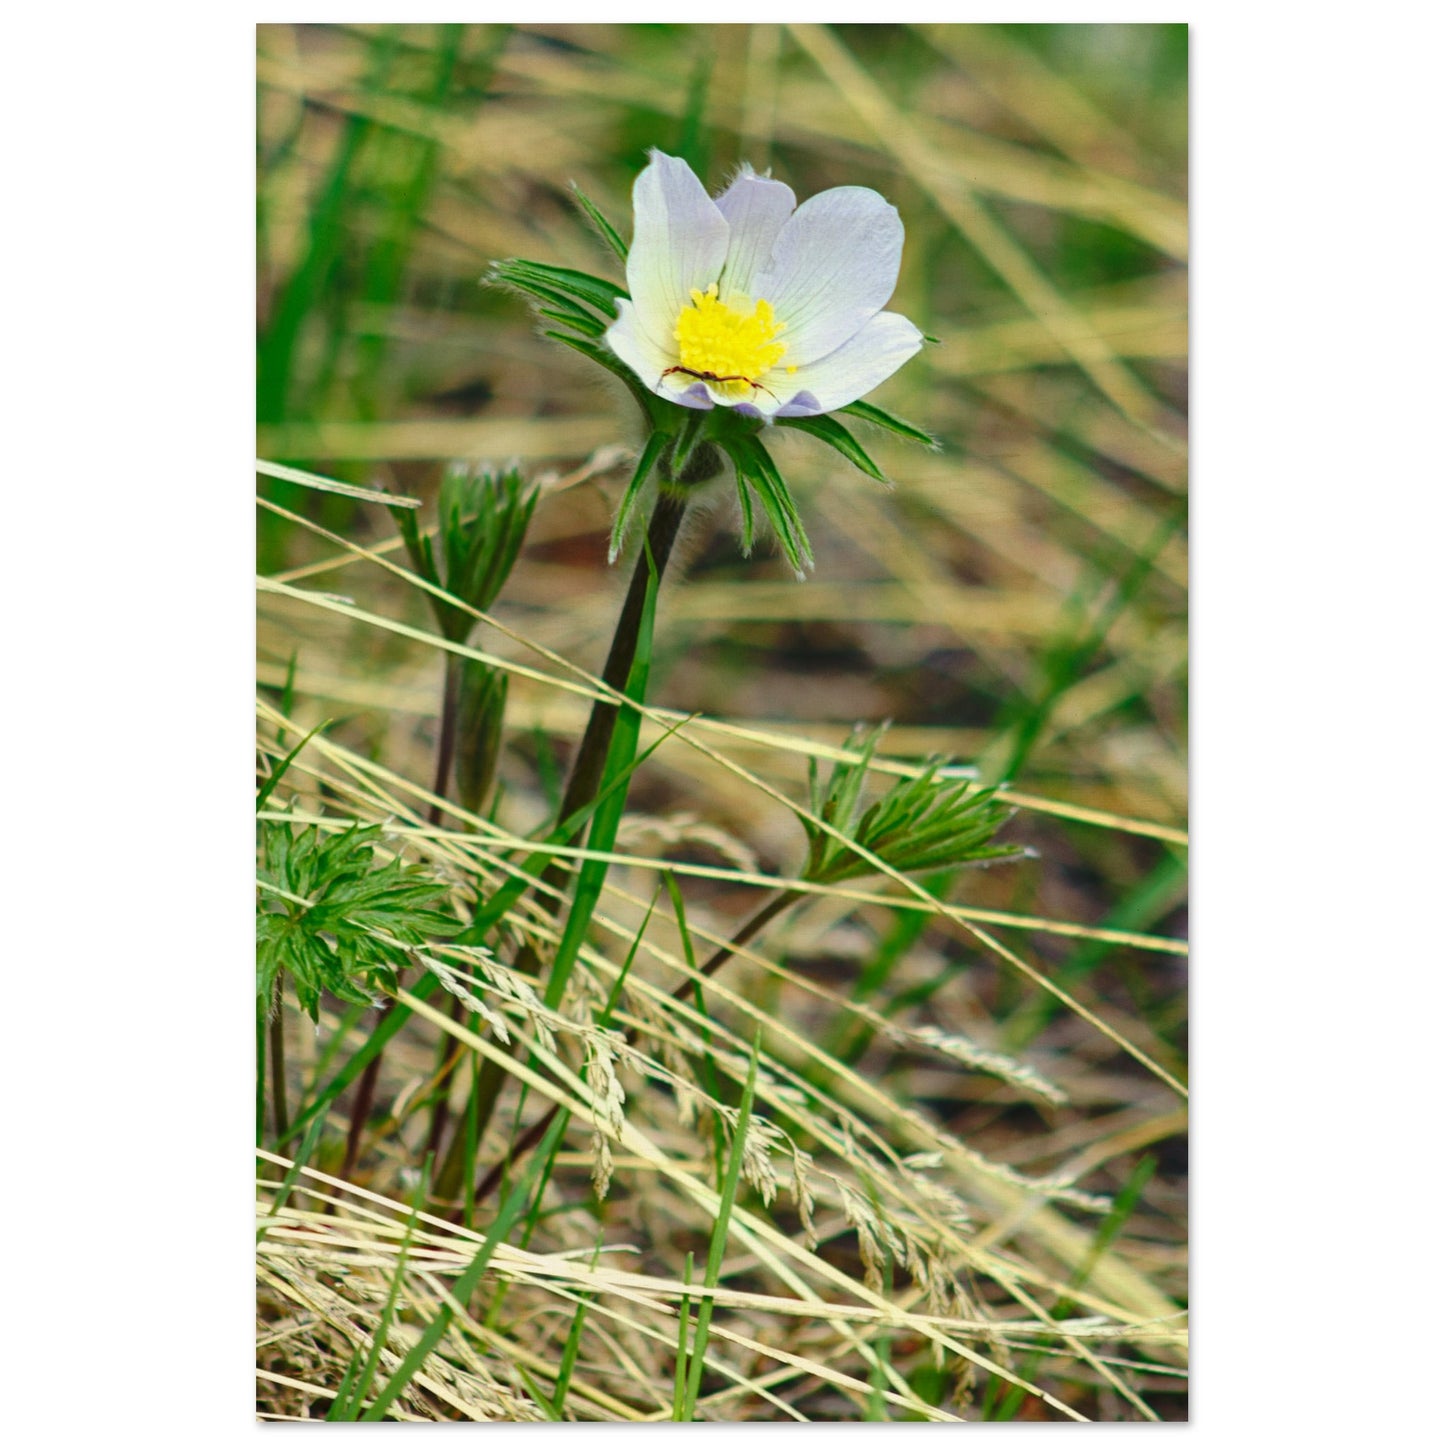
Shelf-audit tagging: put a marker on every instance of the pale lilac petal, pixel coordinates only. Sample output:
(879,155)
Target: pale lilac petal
(636,348)
(835,264)
(803,403)
(756,207)
(679,242)
(865,360)
(698,396)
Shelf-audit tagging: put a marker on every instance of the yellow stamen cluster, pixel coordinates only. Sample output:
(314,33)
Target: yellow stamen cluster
(732,340)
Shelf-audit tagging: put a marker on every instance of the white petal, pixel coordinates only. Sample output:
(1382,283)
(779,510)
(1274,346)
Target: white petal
(868,358)
(756,208)
(679,241)
(835,264)
(650,361)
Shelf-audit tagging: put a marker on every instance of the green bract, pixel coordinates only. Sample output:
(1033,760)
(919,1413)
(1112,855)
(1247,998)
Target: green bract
(481,521)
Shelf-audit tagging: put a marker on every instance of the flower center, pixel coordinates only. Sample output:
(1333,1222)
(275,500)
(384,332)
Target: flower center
(727,344)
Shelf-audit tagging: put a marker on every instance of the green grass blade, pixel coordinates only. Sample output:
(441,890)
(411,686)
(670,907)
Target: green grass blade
(264,792)
(1123,1206)
(504,899)
(288,1183)
(694,143)
(465,1286)
(344,1405)
(717,1246)
(1142,909)
(534,1390)
(1064,662)
(388,1312)
(707,1064)
(679,1366)
(573,1344)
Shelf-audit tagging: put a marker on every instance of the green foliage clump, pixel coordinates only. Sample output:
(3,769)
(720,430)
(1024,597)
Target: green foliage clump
(919,823)
(482,522)
(334,919)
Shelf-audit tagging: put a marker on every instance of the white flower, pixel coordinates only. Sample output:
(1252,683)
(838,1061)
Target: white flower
(753,302)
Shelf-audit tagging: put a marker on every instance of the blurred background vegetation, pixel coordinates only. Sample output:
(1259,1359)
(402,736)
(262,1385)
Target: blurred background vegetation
(1017,601)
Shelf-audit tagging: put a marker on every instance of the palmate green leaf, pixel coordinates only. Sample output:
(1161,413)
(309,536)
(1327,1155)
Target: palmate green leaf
(334,920)
(837,803)
(419,547)
(919,824)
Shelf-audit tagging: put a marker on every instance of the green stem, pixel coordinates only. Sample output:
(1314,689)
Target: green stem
(592,754)
(587,767)
(446,737)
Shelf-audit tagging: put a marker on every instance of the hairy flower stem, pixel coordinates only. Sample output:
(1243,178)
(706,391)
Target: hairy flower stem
(699,464)
(592,754)
(534,1134)
(365,1094)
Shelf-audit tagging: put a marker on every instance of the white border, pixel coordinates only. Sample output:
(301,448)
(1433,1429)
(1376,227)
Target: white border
(1317,526)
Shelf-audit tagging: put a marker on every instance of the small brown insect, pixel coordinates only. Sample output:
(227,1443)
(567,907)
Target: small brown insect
(717,380)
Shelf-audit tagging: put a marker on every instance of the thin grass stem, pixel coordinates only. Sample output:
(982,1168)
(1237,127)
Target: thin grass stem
(748,931)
